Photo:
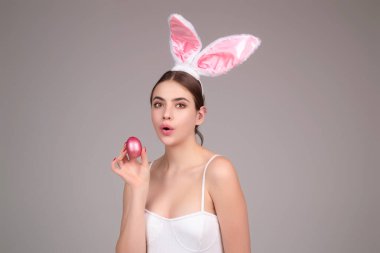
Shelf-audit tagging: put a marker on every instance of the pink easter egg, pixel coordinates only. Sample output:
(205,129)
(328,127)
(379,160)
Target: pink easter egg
(133,146)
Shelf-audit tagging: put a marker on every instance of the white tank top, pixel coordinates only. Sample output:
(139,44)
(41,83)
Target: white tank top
(195,232)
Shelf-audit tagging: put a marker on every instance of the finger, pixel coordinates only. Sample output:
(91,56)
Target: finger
(123,154)
(124,148)
(144,157)
(115,166)
(134,159)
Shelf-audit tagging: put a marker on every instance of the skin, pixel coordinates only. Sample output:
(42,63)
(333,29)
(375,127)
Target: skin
(172,188)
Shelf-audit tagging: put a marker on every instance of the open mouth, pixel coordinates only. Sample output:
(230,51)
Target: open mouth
(166,130)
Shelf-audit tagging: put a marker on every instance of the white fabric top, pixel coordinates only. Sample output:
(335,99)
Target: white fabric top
(195,232)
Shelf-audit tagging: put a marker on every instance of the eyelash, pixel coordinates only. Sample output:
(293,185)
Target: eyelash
(157,105)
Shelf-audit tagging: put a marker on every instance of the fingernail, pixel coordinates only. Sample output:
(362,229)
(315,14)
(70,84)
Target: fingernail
(114,159)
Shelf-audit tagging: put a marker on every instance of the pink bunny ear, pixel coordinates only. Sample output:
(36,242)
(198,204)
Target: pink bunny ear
(184,41)
(225,53)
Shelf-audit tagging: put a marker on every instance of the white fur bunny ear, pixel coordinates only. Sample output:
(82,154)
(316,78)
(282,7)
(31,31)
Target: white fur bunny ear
(184,41)
(218,58)
(225,53)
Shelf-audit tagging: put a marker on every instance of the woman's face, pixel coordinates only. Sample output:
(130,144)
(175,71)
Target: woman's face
(173,113)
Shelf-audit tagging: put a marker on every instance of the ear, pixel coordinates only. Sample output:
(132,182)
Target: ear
(184,41)
(201,115)
(225,53)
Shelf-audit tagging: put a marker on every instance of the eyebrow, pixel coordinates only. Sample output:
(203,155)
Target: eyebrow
(175,99)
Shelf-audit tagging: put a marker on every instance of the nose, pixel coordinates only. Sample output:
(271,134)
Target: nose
(167,114)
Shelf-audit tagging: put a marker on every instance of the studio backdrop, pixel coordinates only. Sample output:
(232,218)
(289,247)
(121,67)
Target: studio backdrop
(299,119)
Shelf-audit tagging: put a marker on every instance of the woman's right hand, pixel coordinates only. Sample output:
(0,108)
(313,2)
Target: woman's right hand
(136,174)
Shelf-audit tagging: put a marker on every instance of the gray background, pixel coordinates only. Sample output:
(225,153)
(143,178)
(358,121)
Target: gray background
(299,120)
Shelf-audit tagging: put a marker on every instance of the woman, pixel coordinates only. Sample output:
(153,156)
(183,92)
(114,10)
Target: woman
(189,199)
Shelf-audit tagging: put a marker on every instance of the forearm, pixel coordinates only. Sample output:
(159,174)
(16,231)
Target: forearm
(132,238)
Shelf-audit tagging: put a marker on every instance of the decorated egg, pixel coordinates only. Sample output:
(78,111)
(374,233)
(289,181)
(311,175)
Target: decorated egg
(133,146)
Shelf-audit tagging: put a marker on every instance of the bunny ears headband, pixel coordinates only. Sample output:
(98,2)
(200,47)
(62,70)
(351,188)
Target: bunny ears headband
(217,58)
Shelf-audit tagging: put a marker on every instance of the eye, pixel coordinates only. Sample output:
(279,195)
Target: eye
(180,105)
(157,105)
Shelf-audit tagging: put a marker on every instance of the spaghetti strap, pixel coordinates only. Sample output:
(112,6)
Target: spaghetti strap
(203,181)
(150,165)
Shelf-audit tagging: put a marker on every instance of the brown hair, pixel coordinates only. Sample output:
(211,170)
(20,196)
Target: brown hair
(191,84)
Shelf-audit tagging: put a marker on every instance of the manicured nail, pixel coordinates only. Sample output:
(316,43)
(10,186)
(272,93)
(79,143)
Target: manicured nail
(114,159)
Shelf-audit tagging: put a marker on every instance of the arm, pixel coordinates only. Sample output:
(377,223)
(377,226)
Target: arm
(230,206)
(132,230)
(132,238)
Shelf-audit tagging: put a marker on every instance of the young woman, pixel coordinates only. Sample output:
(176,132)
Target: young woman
(189,199)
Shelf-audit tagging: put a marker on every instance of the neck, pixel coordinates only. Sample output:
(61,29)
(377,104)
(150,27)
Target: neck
(183,155)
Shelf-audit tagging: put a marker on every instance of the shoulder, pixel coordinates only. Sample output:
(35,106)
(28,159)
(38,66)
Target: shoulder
(223,186)
(221,171)
(154,163)
(225,192)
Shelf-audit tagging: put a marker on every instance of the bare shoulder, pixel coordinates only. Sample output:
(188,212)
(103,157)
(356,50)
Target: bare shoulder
(229,204)
(154,164)
(224,188)
(221,171)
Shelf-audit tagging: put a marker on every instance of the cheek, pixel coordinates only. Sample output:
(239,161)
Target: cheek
(188,119)
(154,116)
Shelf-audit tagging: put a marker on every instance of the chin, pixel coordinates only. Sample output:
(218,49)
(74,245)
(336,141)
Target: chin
(168,141)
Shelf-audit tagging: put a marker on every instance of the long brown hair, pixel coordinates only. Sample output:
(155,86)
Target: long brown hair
(191,84)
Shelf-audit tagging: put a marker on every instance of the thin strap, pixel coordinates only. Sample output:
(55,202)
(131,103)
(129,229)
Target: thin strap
(150,165)
(203,182)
